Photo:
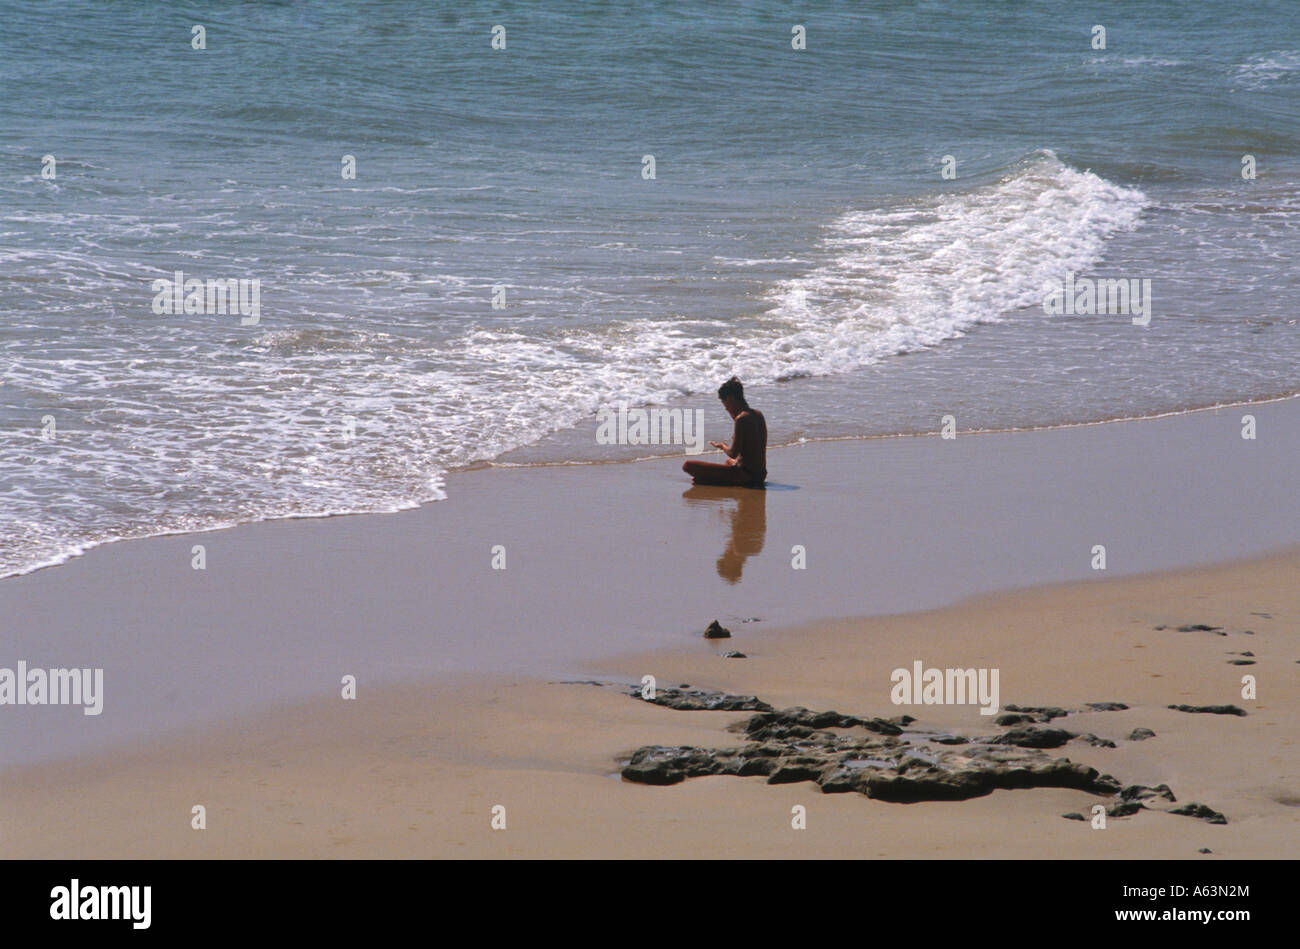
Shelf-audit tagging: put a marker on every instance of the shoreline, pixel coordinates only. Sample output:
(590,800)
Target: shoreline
(829,439)
(494,464)
(285,608)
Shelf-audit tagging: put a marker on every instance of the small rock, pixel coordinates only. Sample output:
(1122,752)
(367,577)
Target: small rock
(733,654)
(1027,736)
(656,764)
(1207,814)
(1097,742)
(1199,628)
(1046,712)
(1241,662)
(1141,734)
(1211,709)
(1205,850)
(1123,809)
(1074,815)
(1013,718)
(1140,792)
(717,631)
(1107,706)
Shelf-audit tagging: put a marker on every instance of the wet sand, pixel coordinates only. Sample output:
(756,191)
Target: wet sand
(222,685)
(609,559)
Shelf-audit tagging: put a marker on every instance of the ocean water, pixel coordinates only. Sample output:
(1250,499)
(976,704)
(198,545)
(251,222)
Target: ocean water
(798,233)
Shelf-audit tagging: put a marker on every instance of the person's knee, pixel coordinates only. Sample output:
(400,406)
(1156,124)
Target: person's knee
(686,466)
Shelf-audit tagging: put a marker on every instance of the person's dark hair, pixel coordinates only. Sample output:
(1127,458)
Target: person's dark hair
(732,389)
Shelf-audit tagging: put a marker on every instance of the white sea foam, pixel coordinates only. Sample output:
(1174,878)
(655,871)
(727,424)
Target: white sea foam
(1115,60)
(202,439)
(1265,68)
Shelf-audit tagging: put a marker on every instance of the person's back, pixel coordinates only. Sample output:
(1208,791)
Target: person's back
(750,442)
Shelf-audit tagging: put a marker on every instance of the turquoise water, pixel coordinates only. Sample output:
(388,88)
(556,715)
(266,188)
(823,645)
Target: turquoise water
(797,232)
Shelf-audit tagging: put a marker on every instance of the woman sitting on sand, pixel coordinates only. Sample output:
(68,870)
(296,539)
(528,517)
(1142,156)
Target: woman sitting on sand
(747,456)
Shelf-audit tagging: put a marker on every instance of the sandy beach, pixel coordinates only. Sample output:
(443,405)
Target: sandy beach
(556,439)
(415,771)
(222,686)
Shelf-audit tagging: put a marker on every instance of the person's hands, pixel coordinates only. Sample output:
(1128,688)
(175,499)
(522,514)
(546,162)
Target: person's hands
(719,446)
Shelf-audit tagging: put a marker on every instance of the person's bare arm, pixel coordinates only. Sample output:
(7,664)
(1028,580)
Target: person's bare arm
(733,450)
(739,439)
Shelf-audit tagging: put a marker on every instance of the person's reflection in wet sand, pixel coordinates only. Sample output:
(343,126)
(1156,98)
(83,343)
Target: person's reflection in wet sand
(748,525)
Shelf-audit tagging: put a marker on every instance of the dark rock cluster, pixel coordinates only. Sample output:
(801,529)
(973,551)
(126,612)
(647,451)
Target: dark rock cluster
(1137,797)
(1210,709)
(686,699)
(871,756)
(885,760)
(1022,720)
(1207,628)
(1045,713)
